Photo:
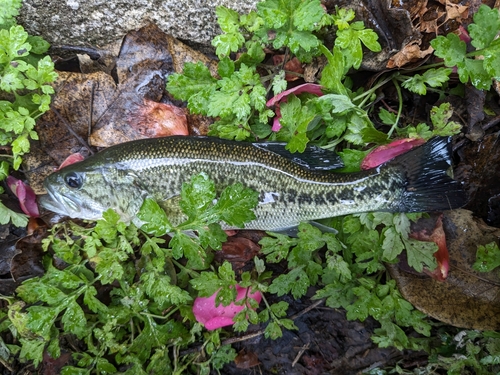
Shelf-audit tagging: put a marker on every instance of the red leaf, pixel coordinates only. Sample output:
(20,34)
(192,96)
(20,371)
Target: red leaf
(73,158)
(26,196)
(387,152)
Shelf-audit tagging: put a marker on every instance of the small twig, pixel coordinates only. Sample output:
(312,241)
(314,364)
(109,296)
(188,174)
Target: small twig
(91,110)
(308,308)
(261,332)
(80,139)
(233,340)
(6,365)
(494,121)
(299,354)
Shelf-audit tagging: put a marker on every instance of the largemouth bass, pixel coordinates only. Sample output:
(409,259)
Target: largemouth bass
(122,176)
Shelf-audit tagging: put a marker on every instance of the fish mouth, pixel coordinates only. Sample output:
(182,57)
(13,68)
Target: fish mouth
(58,203)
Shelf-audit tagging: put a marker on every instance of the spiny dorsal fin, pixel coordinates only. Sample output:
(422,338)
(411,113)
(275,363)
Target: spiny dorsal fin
(313,157)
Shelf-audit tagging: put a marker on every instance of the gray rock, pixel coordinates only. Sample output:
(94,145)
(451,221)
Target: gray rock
(100,22)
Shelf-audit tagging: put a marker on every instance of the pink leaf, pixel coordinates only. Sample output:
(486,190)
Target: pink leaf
(26,196)
(213,317)
(387,152)
(311,88)
(73,158)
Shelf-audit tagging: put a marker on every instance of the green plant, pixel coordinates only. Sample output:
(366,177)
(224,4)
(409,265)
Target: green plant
(487,257)
(25,76)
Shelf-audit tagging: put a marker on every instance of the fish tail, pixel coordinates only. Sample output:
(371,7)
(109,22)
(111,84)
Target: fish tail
(427,185)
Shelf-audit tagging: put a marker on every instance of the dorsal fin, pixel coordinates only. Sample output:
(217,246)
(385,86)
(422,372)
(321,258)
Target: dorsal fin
(313,157)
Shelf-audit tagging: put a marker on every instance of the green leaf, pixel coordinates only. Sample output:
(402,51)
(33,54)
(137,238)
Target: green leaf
(474,71)
(32,350)
(212,238)
(40,319)
(226,67)
(491,64)
(440,116)
(74,320)
(392,245)
(336,263)
(276,247)
(194,85)
(273,331)
(352,159)
(432,77)
(190,248)
(93,303)
(235,205)
(295,119)
(388,118)
(485,27)
(35,290)
(207,283)
(307,15)
(225,354)
(449,48)
(160,289)
(343,17)
(279,83)
(420,254)
(7,215)
(295,282)
(10,9)
(334,72)
(487,257)
(154,218)
(197,195)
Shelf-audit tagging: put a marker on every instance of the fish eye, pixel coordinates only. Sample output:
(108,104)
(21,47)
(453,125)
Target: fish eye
(73,180)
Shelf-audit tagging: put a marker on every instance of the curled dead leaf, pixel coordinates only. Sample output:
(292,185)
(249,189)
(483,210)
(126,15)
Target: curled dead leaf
(410,53)
(154,119)
(237,251)
(246,360)
(293,65)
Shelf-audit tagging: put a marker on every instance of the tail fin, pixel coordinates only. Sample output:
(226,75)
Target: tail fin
(428,187)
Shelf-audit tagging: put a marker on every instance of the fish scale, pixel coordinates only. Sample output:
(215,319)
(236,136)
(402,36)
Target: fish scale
(122,176)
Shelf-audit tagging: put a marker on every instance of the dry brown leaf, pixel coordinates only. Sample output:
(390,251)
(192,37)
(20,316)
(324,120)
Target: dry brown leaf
(467,298)
(454,11)
(411,52)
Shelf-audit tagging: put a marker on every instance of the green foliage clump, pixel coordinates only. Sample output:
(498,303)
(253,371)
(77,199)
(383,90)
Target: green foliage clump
(25,75)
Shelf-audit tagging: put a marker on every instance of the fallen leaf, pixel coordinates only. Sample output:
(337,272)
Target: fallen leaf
(387,152)
(410,53)
(26,196)
(154,120)
(72,159)
(467,298)
(213,317)
(238,251)
(245,360)
(293,65)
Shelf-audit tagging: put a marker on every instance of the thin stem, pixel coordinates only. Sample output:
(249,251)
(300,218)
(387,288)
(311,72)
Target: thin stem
(328,54)
(190,272)
(367,94)
(400,107)
(160,316)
